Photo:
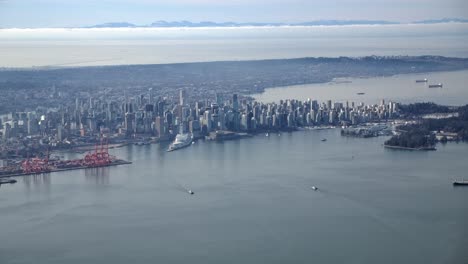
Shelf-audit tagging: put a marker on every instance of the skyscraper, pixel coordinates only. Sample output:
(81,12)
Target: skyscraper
(235,102)
(182,97)
(219,99)
(150,95)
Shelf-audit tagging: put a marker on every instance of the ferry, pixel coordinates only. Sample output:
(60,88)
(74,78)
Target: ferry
(422,81)
(181,141)
(439,85)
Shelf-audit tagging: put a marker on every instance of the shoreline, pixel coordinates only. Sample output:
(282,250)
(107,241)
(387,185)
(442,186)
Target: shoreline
(411,149)
(115,163)
(425,58)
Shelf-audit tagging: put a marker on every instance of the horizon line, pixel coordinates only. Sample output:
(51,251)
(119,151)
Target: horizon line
(231,24)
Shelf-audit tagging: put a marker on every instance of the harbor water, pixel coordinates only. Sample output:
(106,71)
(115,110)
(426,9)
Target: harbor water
(253,203)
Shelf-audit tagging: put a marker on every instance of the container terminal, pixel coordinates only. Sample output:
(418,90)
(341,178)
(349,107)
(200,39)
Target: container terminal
(98,158)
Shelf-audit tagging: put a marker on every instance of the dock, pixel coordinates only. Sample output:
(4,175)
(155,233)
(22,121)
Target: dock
(19,172)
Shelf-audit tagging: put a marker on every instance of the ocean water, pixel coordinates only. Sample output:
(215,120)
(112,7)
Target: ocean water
(399,88)
(253,203)
(115,46)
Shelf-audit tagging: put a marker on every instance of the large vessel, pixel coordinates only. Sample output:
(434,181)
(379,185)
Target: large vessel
(439,85)
(181,141)
(460,183)
(421,81)
(6,181)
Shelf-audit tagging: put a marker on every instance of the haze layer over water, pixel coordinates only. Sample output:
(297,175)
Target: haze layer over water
(115,46)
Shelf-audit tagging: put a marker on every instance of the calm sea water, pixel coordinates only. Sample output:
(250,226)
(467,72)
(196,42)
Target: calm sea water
(253,203)
(82,47)
(400,88)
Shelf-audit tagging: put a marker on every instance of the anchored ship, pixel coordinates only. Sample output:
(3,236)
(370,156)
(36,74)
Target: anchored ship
(422,81)
(439,85)
(460,183)
(7,181)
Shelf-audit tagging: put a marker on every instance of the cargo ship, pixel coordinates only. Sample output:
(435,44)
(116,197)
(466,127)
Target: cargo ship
(7,181)
(439,85)
(460,183)
(421,81)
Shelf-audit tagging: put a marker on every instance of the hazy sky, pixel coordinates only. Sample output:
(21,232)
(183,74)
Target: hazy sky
(66,13)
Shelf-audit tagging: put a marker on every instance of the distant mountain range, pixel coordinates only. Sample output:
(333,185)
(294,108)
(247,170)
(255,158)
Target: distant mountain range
(443,20)
(184,23)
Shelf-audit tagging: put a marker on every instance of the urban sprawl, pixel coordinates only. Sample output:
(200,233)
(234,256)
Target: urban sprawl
(146,118)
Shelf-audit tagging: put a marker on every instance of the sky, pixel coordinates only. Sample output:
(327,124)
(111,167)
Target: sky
(74,13)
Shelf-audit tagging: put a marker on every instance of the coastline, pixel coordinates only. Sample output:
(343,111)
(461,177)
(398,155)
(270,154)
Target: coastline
(411,149)
(115,163)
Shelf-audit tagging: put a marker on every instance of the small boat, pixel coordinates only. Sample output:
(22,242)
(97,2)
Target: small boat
(7,181)
(323,139)
(267,135)
(314,188)
(361,93)
(439,85)
(191,192)
(460,183)
(422,80)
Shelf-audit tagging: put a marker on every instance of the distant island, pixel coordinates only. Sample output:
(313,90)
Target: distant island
(332,22)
